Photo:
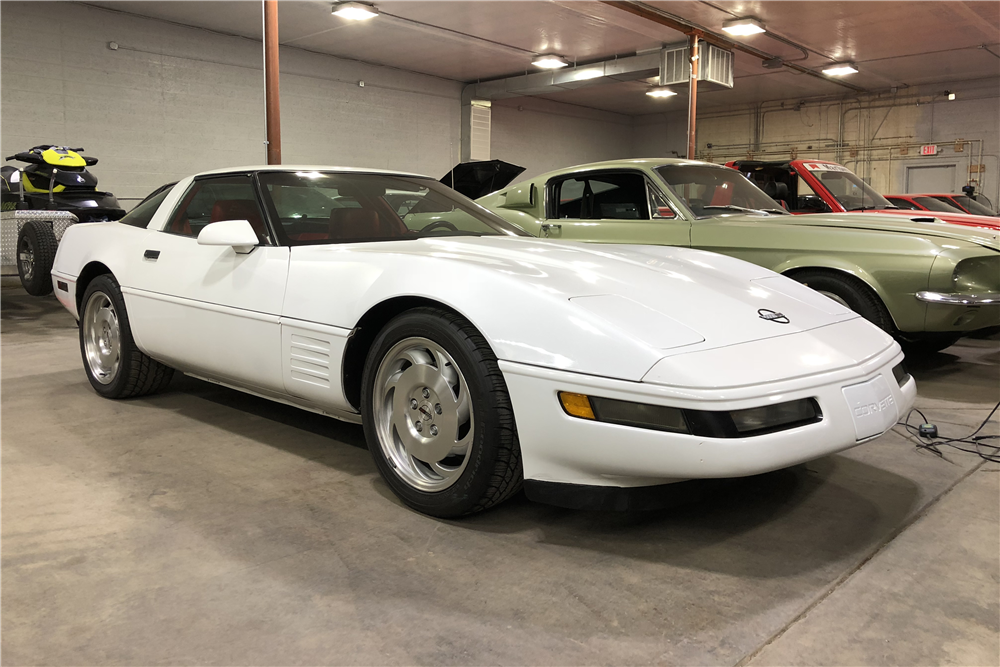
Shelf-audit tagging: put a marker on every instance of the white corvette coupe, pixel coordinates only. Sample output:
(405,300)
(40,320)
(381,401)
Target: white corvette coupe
(478,358)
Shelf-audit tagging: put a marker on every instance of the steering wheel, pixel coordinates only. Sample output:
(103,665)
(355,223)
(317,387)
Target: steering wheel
(440,223)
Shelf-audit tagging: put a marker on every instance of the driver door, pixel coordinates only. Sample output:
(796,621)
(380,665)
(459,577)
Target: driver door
(210,310)
(612,207)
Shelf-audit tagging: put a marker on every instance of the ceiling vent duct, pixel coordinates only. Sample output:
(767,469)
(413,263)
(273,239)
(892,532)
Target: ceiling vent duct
(714,66)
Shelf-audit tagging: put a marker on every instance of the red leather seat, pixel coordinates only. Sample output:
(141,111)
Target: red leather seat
(181,225)
(348,224)
(240,209)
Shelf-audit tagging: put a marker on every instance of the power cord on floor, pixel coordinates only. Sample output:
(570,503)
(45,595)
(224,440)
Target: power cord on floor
(928,438)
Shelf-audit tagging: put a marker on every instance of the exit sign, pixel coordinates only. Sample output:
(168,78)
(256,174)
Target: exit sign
(928,150)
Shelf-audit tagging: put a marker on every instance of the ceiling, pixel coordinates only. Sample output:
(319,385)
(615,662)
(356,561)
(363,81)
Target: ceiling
(895,44)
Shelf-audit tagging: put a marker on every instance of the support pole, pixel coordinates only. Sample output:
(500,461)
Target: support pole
(693,96)
(272,106)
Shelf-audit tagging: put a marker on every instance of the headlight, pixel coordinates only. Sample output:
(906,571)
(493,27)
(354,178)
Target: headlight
(705,423)
(977,275)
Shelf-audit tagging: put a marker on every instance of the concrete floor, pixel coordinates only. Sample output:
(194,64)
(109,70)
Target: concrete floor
(203,526)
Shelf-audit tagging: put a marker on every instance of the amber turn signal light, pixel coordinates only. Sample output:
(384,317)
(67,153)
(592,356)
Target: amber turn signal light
(577,405)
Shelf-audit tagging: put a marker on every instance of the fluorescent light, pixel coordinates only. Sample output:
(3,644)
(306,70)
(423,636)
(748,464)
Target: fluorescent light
(660,91)
(355,11)
(743,27)
(840,69)
(549,61)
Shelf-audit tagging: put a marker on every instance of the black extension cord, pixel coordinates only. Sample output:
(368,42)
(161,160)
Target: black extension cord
(928,438)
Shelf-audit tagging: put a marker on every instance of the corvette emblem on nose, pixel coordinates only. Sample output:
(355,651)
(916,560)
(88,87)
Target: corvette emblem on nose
(772,316)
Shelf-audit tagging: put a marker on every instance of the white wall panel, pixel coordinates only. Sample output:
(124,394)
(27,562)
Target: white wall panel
(541,135)
(173,100)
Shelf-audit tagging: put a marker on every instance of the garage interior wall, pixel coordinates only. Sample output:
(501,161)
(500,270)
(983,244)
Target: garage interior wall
(173,100)
(868,135)
(542,135)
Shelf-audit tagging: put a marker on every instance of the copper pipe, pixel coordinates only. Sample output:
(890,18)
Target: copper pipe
(693,96)
(272,97)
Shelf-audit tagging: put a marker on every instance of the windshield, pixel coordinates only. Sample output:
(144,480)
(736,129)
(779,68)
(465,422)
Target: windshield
(324,207)
(932,204)
(852,193)
(972,206)
(714,191)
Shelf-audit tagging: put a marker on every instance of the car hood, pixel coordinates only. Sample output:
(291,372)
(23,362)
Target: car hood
(605,310)
(954,218)
(665,297)
(887,222)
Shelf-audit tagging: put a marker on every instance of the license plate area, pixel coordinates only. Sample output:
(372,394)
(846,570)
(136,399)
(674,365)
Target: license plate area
(872,406)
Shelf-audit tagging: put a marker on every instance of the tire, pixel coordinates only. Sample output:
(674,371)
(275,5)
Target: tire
(437,416)
(851,292)
(36,250)
(115,367)
(925,344)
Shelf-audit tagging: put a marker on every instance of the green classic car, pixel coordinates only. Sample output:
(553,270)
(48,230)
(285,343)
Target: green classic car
(925,281)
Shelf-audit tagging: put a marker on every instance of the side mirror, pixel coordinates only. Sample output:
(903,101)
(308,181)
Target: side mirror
(236,233)
(665,212)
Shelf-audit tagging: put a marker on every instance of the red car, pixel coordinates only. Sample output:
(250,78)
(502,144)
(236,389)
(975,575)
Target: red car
(942,203)
(820,186)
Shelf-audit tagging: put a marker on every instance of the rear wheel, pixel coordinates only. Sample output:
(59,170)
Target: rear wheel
(115,367)
(36,250)
(850,292)
(437,415)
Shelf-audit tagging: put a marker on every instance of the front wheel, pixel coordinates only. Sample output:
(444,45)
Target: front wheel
(115,367)
(850,292)
(36,251)
(437,415)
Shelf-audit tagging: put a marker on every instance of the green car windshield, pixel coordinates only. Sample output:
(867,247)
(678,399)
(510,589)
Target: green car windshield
(315,207)
(715,191)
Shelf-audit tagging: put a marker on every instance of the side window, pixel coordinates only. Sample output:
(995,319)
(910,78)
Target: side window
(659,207)
(806,200)
(144,212)
(214,200)
(602,197)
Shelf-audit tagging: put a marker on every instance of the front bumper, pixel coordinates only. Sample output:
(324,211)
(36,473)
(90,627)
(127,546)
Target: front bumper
(556,447)
(960,299)
(64,287)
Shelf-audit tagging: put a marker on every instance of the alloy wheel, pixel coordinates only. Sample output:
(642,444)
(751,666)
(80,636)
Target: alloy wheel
(102,338)
(423,414)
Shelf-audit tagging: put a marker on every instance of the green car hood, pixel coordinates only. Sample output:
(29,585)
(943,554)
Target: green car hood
(983,236)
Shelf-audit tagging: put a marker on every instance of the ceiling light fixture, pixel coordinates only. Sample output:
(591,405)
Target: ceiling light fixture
(748,25)
(660,91)
(355,11)
(840,69)
(549,61)
(950,94)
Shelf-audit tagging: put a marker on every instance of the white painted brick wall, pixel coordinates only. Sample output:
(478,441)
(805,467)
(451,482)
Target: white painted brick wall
(175,100)
(546,135)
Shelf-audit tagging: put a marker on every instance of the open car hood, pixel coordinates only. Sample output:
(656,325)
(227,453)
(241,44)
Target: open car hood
(478,179)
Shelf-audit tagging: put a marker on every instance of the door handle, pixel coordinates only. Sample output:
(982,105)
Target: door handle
(547,227)
(151,254)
